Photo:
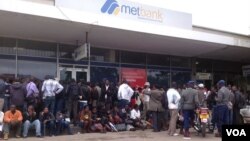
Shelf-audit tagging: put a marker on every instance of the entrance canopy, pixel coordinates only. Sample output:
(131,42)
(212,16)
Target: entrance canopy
(61,31)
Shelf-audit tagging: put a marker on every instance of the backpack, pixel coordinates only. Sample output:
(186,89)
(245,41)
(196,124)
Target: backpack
(164,101)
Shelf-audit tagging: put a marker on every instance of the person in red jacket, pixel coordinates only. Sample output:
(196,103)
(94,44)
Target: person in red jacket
(12,119)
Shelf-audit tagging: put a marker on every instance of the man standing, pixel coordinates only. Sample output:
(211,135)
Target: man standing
(239,103)
(223,100)
(12,119)
(189,102)
(145,100)
(107,95)
(155,106)
(18,94)
(32,92)
(50,88)
(2,92)
(125,93)
(173,105)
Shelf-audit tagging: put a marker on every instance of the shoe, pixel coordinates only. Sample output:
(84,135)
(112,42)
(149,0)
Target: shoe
(38,136)
(186,136)
(18,136)
(181,132)
(6,136)
(175,134)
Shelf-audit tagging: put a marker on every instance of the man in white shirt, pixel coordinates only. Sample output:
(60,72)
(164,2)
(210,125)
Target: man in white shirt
(173,105)
(50,88)
(146,99)
(125,93)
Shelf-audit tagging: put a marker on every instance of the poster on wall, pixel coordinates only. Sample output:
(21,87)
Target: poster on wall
(135,77)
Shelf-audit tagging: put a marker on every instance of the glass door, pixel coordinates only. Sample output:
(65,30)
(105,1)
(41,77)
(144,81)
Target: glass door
(77,73)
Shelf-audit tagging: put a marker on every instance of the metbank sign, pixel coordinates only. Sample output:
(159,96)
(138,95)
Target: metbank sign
(112,7)
(130,11)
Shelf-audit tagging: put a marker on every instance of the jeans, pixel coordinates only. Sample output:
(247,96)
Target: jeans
(188,116)
(223,115)
(50,103)
(123,103)
(27,124)
(230,116)
(59,105)
(61,125)
(48,125)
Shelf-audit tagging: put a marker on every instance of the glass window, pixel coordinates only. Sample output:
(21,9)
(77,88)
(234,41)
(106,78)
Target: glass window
(8,67)
(181,77)
(27,68)
(98,74)
(133,57)
(159,77)
(66,51)
(7,45)
(180,62)
(36,48)
(156,59)
(104,55)
(204,65)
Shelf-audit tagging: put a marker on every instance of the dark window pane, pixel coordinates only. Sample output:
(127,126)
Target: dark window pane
(7,66)
(159,77)
(180,62)
(156,59)
(181,77)
(7,45)
(104,55)
(204,65)
(66,51)
(133,57)
(36,48)
(98,74)
(26,68)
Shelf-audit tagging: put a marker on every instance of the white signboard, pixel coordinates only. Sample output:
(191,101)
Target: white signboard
(203,76)
(81,52)
(131,11)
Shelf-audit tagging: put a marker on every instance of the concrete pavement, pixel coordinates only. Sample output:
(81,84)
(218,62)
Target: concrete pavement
(147,135)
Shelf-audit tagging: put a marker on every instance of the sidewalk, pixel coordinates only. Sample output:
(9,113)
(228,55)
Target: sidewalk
(147,135)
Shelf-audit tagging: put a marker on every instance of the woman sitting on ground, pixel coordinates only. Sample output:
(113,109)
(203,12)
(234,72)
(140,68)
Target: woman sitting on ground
(96,122)
(135,116)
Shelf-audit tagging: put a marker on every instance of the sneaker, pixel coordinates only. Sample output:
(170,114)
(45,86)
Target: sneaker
(175,134)
(6,136)
(18,136)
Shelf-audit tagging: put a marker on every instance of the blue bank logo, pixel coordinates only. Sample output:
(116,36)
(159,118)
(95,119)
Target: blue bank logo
(111,7)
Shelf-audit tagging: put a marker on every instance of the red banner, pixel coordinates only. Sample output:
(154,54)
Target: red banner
(135,77)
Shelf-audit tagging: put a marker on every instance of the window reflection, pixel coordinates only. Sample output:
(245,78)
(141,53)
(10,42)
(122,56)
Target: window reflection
(181,77)
(159,77)
(98,74)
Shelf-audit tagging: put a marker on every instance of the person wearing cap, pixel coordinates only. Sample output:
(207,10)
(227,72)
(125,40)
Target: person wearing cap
(189,101)
(223,101)
(201,95)
(145,99)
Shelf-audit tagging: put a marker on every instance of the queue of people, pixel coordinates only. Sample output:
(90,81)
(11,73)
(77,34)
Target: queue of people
(51,107)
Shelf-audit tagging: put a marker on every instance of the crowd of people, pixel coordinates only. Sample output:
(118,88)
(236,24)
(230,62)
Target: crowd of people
(51,107)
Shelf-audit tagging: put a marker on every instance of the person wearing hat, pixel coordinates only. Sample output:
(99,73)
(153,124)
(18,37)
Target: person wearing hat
(145,99)
(201,95)
(223,101)
(189,101)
